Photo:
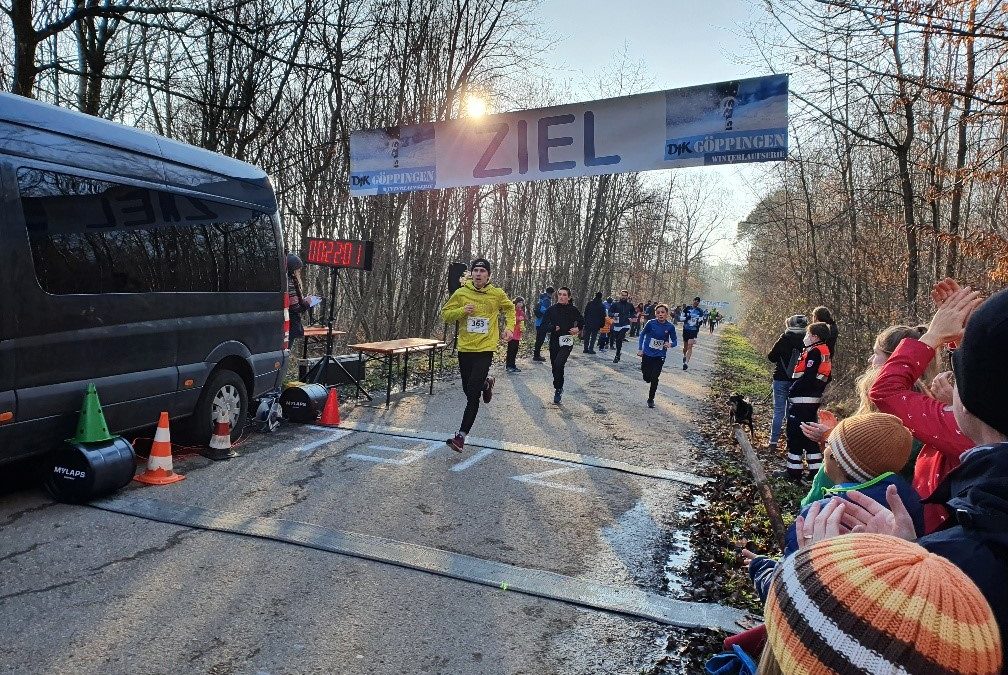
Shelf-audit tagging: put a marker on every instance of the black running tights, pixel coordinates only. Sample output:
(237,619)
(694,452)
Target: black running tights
(474,367)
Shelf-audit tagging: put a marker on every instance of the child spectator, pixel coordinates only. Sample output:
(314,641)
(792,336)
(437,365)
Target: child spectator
(885,344)
(512,346)
(604,332)
(809,379)
(868,603)
(863,453)
(896,390)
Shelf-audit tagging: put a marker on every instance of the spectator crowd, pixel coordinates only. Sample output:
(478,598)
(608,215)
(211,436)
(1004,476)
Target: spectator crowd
(898,559)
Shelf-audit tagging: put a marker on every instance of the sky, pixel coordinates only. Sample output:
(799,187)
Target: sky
(678,43)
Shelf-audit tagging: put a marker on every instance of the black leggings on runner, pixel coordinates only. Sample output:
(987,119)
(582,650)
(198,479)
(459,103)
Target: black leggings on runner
(651,367)
(618,336)
(474,367)
(558,360)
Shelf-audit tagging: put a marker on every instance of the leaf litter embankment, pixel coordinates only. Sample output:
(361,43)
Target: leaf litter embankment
(729,510)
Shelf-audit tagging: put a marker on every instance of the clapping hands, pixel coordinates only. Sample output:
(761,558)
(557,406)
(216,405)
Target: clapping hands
(950,318)
(858,513)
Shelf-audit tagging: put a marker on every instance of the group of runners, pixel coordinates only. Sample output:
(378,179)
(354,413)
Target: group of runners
(477,305)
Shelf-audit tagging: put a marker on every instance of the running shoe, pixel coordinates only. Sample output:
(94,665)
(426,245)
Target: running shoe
(616,360)
(650,403)
(685,366)
(488,389)
(538,358)
(556,396)
(456,442)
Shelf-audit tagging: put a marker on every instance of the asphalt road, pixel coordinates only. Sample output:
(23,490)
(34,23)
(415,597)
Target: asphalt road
(88,591)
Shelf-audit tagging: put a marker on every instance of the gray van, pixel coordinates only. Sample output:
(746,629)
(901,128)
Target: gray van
(152,268)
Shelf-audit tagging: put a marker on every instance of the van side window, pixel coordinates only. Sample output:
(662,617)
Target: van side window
(93,236)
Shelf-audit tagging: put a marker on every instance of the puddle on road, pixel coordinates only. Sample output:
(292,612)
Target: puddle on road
(680,551)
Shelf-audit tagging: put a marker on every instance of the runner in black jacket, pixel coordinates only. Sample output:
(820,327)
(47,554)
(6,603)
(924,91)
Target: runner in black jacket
(594,316)
(564,321)
(621,312)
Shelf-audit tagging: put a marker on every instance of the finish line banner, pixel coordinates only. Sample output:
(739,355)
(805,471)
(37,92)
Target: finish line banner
(706,125)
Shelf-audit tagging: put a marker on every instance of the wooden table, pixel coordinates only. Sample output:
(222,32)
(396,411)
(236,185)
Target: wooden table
(317,333)
(389,349)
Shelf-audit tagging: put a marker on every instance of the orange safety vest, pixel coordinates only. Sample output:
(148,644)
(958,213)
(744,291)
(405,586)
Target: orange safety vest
(825,367)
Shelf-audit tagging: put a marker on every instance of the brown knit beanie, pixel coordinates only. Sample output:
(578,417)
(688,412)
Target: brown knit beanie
(866,446)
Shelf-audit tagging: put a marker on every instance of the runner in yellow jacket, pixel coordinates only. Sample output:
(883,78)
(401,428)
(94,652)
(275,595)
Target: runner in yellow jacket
(476,306)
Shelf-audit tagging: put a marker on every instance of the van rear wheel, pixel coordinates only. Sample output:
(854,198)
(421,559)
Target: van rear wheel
(224,393)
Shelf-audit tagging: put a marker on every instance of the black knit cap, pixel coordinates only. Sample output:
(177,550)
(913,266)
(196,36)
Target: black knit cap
(480,262)
(980,366)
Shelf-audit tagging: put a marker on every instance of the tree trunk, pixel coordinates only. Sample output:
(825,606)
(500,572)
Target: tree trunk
(955,212)
(25,44)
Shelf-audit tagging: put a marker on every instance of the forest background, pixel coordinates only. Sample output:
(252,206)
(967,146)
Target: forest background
(896,175)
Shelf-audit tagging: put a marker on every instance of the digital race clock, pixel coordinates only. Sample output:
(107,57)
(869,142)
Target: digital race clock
(357,255)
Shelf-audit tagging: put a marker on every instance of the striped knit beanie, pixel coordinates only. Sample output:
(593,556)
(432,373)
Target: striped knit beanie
(866,446)
(871,603)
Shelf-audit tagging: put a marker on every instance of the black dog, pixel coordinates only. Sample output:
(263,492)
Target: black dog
(740,412)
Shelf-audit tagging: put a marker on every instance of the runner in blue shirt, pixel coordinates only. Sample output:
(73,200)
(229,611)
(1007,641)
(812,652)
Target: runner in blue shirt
(656,337)
(692,318)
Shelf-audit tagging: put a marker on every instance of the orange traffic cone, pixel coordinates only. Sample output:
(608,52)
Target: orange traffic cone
(159,464)
(330,414)
(220,442)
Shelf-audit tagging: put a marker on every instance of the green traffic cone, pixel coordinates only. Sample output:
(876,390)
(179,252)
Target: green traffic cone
(91,427)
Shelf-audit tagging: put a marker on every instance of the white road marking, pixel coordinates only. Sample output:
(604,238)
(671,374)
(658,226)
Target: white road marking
(466,463)
(536,478)
(541,453)
(306,450)
(410,455)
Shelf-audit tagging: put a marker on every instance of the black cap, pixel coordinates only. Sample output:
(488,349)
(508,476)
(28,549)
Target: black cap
(696,299)
(980,365)
(480,262)
(293,262)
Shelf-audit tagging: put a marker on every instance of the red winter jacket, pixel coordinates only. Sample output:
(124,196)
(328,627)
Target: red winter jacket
(930,421)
